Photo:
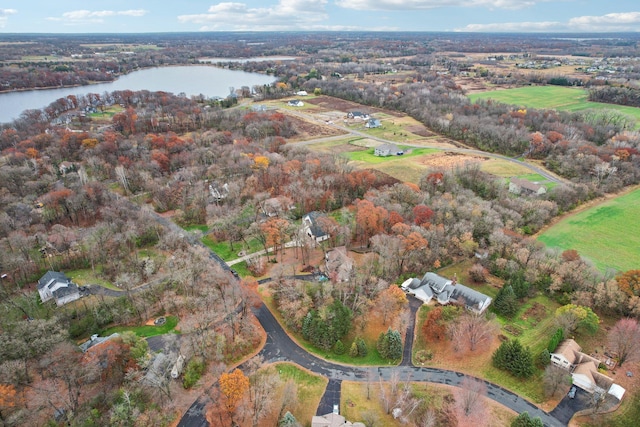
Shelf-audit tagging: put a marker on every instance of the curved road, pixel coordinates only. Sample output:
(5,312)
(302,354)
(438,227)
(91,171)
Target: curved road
(280,347)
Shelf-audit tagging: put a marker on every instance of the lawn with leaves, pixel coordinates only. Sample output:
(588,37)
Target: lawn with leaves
(146,330)
(368,156)
(224,250)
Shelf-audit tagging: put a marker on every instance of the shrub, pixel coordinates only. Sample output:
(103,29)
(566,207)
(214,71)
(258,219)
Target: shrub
(193,372)
(478,273)
(339,347)
(544,358)
(557,337)
(353,351)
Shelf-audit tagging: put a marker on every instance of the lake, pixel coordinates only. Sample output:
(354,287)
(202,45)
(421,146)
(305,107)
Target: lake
(190,80)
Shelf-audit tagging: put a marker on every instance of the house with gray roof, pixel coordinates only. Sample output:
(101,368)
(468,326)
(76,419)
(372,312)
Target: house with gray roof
(445,291)
(522,186)
(57,286)
(312,227)
(385,150)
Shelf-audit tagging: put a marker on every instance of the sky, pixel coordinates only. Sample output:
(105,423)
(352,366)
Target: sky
(144,16)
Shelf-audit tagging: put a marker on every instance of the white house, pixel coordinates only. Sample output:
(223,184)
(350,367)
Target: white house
(446,291)
(385,150)
(372,123)
(55,285)
(312,227)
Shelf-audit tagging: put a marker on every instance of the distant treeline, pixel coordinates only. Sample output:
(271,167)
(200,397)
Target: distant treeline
(616,95)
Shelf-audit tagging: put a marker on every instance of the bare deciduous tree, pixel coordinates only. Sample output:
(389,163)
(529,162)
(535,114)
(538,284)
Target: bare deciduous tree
(470,407)
(624,340)
(554,378)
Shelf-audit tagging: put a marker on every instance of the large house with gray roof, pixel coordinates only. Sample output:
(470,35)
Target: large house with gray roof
(57,286)
(445,291)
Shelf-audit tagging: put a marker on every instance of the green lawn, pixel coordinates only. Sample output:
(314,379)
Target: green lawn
(89,277)
(367,156)
(145,330)
(200,227)
(608,234)
(224,251)
(554,97)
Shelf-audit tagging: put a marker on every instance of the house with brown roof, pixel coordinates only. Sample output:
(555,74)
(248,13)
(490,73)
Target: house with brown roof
(522,186)
(584,369)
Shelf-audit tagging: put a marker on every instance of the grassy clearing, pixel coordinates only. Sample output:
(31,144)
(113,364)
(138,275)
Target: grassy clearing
(224,251)
(89,277)
(199,227)
(310,388)
(555,97)
(368,156)
(404,171)
(503,168)
(607,234)
(146,330)
(370,335)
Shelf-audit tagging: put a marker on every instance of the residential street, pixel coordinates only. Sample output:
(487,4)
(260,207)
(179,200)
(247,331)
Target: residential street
(280,347)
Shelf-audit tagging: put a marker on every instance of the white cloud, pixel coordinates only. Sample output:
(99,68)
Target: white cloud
(4,16)
(626,21)
(510,27)
(88,16)
(285,15)
(432,4)
(611,22)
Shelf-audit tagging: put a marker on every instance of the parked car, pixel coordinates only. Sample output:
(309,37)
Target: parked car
(572,392)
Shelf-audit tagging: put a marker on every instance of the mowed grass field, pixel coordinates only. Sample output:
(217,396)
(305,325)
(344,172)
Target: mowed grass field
(608,234)
(553,97)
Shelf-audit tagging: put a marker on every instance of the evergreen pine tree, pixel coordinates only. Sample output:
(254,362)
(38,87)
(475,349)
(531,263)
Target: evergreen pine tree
(353,351)
(362,347)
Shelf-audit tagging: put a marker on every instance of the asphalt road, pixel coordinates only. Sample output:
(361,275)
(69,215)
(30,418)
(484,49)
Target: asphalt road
(280,347)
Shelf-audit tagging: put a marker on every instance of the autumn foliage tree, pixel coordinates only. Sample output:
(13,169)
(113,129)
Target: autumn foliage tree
(233,387)
(390,301)
(629,282)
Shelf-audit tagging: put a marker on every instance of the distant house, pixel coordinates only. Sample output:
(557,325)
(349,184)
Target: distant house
(333,420)
(584,369)
(312,227)
(295,103)
(372,123)
(301,93)
(385,150)
(277,206)
(522,186)
(57,286)
(357,115)
(445,291)
(338,264)
(66,167)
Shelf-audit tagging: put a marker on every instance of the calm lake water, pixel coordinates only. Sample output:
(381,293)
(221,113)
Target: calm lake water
(190,80)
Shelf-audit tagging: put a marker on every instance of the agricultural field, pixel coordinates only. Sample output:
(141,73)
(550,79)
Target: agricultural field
(608,234)
(554,97)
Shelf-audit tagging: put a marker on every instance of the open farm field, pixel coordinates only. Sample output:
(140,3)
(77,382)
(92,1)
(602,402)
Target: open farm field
(608,234)
(554,97)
